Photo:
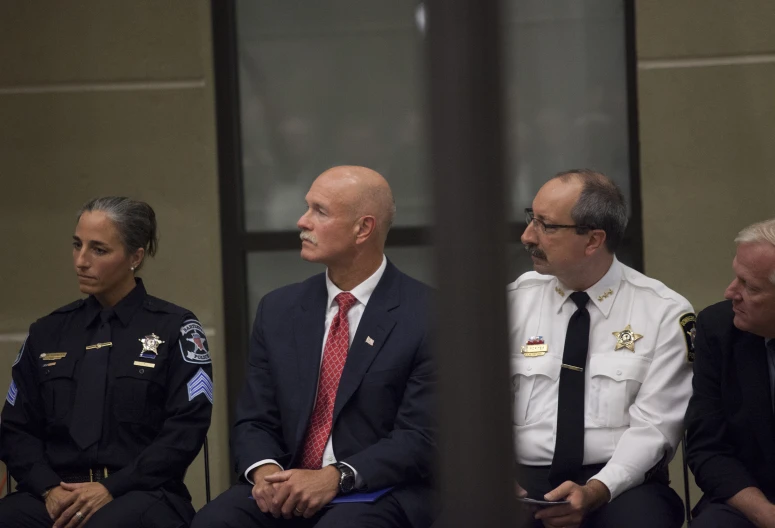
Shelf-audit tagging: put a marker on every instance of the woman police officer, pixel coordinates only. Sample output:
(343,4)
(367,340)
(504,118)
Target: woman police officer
(111,395)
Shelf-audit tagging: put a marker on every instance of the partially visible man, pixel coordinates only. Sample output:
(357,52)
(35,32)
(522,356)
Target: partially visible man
(340,380)
(601,365)
(731,430)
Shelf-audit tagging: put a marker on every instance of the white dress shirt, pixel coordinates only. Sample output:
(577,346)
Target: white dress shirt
(634,400)
(362,294)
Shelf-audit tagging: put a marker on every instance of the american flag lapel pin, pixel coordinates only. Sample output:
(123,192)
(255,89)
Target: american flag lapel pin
(369,341)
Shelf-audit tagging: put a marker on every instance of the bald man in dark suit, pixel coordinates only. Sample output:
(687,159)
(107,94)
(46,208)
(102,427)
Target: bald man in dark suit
(357,416)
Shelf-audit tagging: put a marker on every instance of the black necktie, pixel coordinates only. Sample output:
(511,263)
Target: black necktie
(569,446)
(770,363)
(86,425)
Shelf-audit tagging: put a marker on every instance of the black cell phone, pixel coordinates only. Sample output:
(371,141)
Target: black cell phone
(536,503)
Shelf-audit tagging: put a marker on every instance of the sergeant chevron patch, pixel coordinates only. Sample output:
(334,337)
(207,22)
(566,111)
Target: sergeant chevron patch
(200,384)
(12,393)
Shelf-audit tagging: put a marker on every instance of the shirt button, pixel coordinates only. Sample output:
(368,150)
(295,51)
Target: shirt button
(529,368)
(330,459)
(618,372)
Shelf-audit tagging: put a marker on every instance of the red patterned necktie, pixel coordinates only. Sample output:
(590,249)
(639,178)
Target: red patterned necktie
(334,356)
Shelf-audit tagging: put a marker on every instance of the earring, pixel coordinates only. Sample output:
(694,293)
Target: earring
(132,268)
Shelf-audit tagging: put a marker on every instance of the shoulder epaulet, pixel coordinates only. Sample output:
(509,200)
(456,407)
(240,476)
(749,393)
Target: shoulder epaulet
(155,304)
(69,307)
(644,282)
(529,280)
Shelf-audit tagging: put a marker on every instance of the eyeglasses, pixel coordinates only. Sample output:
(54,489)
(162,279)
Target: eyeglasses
(530,218)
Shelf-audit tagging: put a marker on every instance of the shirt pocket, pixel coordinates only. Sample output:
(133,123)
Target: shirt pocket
(531,378)
(58,390)
(139,395)
(614,382)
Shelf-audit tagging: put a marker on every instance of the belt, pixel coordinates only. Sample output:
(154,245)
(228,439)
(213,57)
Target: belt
(88,475)
(535,479)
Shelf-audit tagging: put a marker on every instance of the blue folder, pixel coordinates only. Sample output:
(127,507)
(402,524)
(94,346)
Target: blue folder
(371,496)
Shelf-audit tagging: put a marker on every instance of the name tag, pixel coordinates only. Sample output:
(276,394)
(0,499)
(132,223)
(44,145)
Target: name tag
(144,364)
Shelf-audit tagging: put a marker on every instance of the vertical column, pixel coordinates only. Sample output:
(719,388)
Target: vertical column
(470,239)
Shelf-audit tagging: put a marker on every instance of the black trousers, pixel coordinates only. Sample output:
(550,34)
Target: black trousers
(717,515)
(144,509)
(653,504)
(235,508)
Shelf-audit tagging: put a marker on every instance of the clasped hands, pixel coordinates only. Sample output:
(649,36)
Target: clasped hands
(295,492)
(581,501)
(65,501)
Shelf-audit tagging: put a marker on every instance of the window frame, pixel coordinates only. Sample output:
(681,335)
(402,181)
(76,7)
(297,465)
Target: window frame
(237,242)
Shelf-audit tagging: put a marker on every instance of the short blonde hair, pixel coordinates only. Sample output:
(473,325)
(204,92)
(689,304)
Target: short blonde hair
(760,232)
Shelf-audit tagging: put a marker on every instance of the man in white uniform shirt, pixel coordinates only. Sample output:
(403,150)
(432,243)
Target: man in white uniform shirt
(600,362)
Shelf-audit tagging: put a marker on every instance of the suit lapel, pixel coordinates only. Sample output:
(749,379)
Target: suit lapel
(308,327)
(753,369)
(373,330)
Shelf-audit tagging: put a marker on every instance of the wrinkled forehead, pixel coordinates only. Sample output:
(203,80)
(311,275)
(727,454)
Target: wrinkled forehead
(96,225)
(333,192)
(556,199)
(755,261)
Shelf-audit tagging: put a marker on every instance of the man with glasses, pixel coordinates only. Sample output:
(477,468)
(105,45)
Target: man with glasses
(601,365)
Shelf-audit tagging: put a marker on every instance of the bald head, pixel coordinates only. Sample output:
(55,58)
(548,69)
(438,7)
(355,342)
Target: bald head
(365,191)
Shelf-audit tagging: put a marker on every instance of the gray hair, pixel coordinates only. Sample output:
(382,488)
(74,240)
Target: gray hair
(134,220)
(760,232)
(601,205)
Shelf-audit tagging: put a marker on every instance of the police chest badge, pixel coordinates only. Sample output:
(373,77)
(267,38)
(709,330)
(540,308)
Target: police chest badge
(150,346)
(193,343)
(688,323)
(626,339)
(535,347)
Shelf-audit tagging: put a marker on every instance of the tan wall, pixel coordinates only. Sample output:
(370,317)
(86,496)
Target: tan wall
(115,97)
(110,97)
(707,130)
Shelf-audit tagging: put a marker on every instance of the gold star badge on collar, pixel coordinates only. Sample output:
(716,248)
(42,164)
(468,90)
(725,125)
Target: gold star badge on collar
(626,339)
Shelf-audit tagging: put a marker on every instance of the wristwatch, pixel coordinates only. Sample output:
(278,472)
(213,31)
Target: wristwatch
(346,477)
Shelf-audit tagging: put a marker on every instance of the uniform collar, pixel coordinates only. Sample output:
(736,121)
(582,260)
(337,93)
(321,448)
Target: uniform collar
(125,308)
(363,291)
(602,294)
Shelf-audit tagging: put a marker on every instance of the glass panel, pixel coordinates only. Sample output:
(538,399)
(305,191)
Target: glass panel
(270,270)
(341,82)
(328,83)
(566,92)
(273,269)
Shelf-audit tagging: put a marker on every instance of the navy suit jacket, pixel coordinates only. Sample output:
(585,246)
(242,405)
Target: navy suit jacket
(730,424)
(383,423)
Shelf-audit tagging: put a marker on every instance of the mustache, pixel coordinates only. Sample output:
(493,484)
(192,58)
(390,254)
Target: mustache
(533,251)
(309,237)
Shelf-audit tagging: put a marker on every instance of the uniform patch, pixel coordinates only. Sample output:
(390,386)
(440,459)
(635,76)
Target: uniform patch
(12,393)
(193,343)
(21,352)
(688,322)
(200,384)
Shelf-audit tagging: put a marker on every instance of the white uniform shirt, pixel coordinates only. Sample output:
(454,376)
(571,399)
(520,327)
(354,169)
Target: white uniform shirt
(362,294)
(634,401)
